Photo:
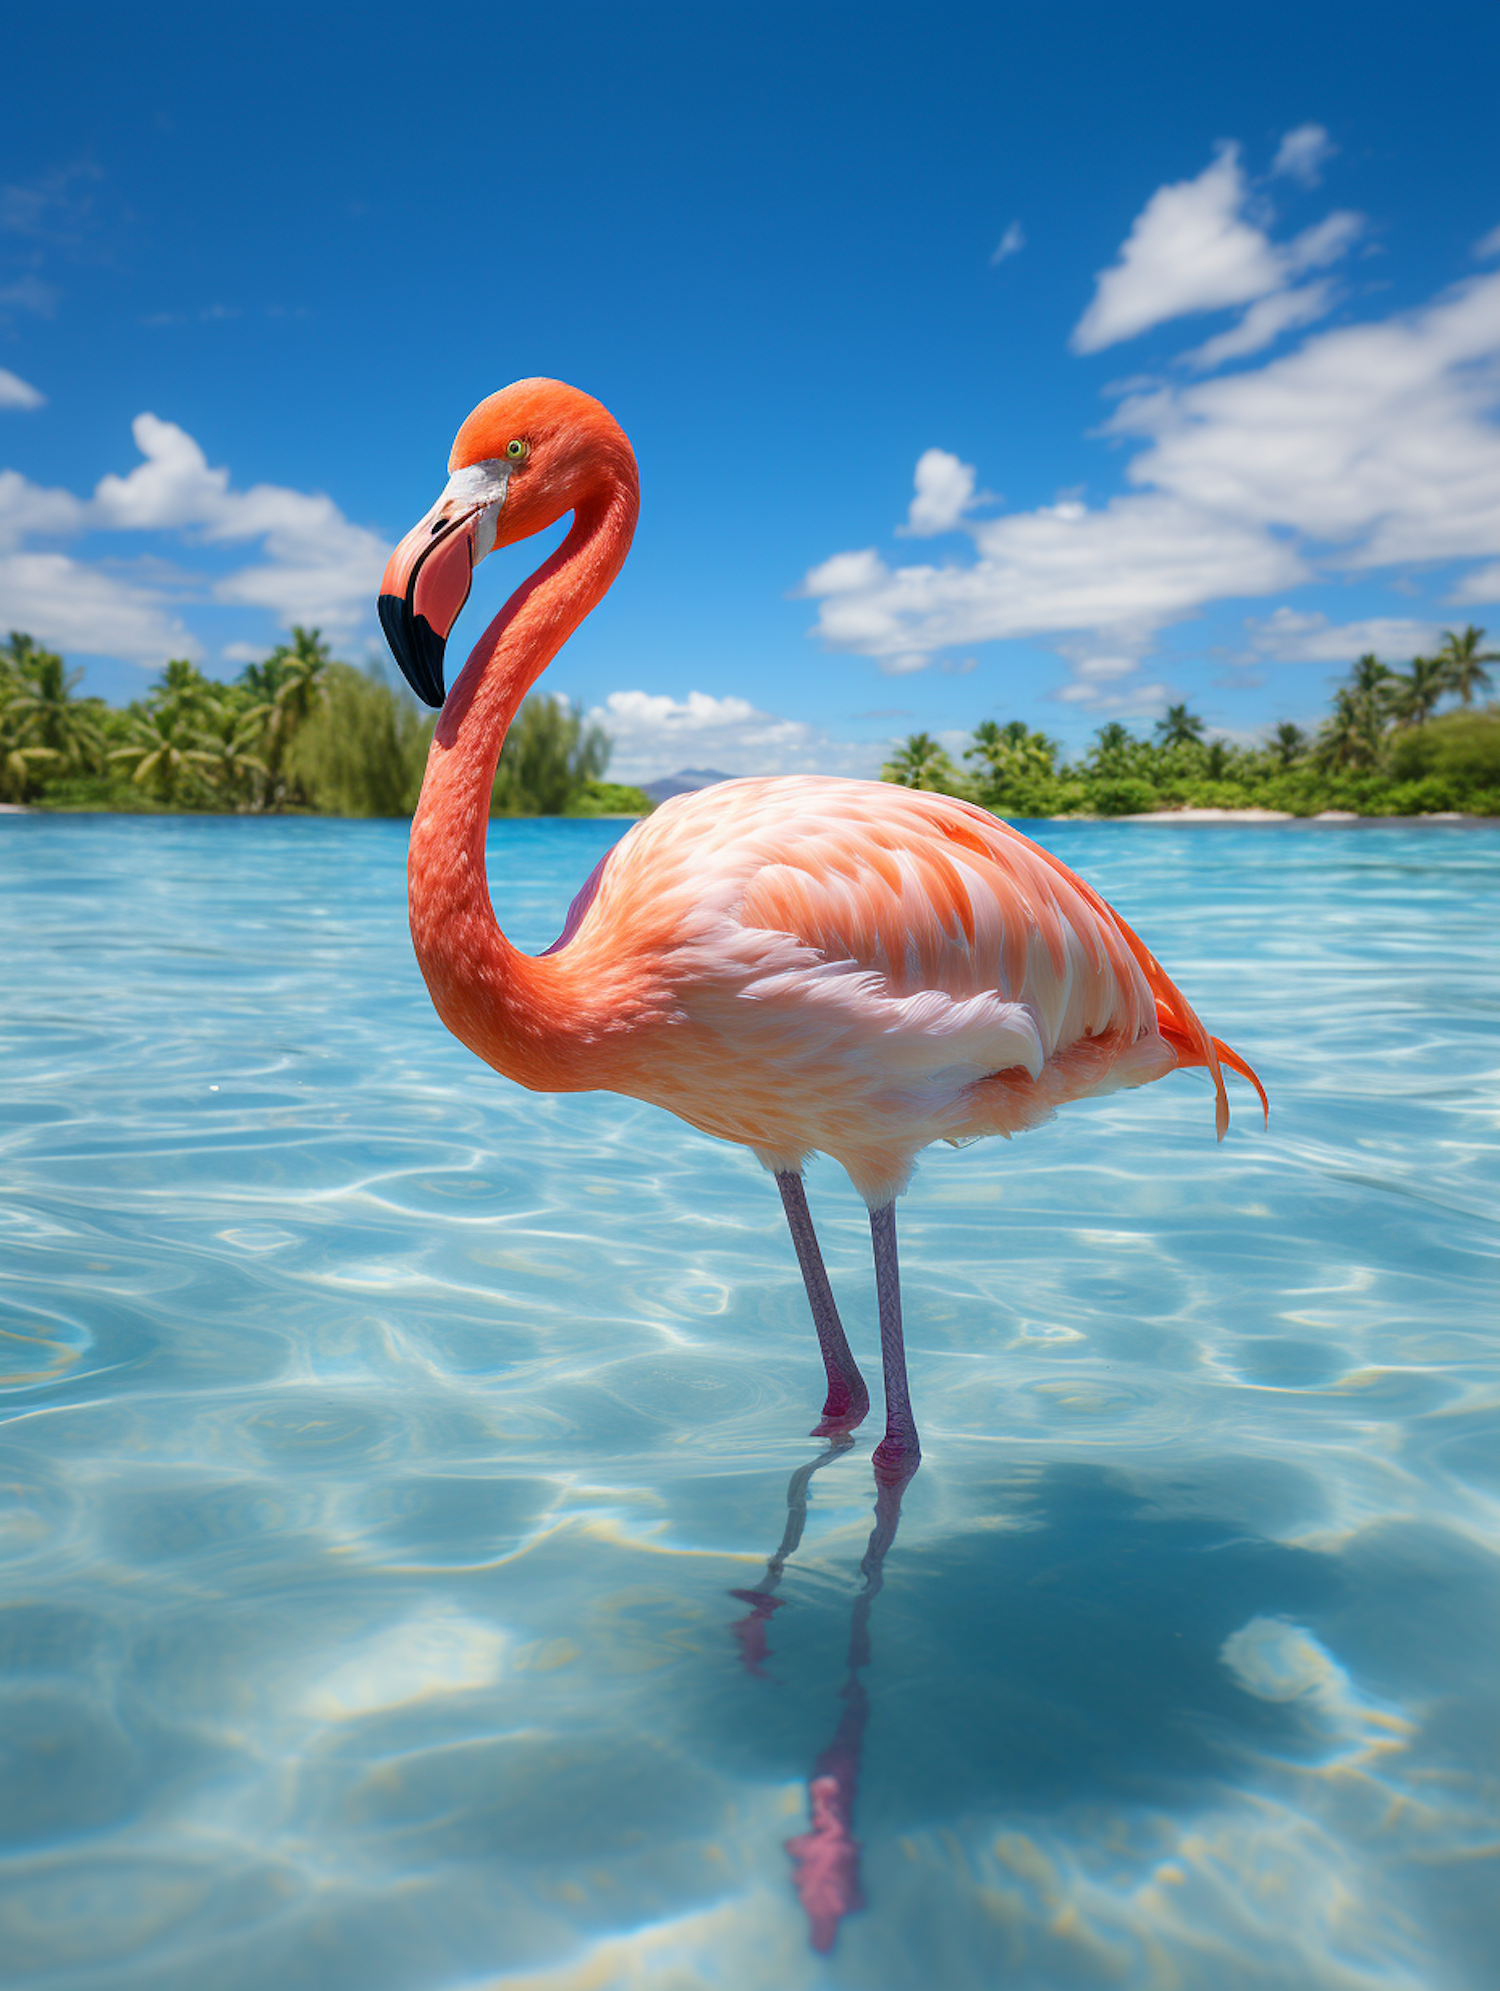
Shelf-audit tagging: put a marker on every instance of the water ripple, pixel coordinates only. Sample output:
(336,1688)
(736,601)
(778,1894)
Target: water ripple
(416,1571)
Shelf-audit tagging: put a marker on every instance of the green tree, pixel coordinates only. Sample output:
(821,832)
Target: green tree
(1178,727)
(21,765)
(1114,744)
(165,754)
(1015,769)
(1464,662)
(362,750)
(919,762)
(550,754)
(228,734)
(44,720)
(1288,743)
(287,686)
(1415,697)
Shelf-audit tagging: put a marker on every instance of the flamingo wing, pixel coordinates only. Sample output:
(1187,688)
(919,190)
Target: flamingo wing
(905,929)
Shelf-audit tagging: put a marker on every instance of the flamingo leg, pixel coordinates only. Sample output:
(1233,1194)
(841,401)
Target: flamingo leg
(898,1454)
(848,1399)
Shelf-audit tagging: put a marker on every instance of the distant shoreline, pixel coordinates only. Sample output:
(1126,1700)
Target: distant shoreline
(1183,818)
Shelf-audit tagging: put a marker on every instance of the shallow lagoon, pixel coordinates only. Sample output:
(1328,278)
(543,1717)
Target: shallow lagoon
(383,1445)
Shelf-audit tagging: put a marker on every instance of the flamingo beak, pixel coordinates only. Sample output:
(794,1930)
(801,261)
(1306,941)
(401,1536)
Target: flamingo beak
(428,576)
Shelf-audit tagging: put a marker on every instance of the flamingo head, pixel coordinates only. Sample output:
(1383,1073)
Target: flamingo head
(524,458)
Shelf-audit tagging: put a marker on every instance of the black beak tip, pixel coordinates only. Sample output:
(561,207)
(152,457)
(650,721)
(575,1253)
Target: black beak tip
(416,646)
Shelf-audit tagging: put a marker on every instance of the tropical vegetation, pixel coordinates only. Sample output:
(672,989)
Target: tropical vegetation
(1386,749)
(297,732)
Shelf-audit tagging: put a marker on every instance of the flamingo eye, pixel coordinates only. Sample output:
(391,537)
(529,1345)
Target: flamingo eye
(518,451)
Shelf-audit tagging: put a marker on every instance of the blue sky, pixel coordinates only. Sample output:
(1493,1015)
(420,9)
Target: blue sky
(980,361)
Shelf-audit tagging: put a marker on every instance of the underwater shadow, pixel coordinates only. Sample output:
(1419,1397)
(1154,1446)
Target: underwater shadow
(1062,1646)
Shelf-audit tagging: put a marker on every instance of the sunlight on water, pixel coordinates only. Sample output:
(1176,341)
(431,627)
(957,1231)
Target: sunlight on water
(417,1573)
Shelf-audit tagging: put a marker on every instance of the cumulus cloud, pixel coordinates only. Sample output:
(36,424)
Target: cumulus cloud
(1126,566)
(1379,439)
(944,492)
(1263,324)
(1303,153)
(1195,248)
(18,393)
(1294,637)
(655,734)
(27,508)
(1011,243)
(79,608)
(1481,584)
(1488,245)
(318,567)
(1371,446)
(1139,701)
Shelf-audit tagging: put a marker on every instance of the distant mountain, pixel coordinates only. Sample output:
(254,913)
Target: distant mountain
(686,781)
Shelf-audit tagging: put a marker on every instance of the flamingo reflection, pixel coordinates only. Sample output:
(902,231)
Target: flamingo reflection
(825,1858)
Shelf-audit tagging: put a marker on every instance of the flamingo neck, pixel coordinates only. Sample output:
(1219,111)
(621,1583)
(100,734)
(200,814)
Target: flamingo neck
(508,1007)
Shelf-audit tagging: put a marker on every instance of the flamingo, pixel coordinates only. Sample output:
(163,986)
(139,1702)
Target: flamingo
(801,964)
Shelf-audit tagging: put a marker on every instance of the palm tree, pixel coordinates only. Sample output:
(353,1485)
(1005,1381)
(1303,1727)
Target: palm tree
(1464,662)
(165,747)
(1350,736)
(919,762)
(1415,696)
(44,716)
(228,733)
(181,683)
(1288,743)
(1178,727)
(289,683)
(1112,742)
(19,762)
(1012,748)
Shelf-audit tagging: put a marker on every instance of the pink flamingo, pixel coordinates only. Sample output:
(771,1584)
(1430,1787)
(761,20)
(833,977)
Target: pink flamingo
(800,964)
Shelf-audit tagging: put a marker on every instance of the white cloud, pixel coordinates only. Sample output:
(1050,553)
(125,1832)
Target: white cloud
(1488,245)
(1371,446)
(322,569)
(1378,439)
(1097,668)
(1303,153)
(1482,584)
(1293,637)
(1126,566)
(654,735)
(319,567)
(845,574)
(1011,243)
(1263,323)
(1193,248)
(35,508)
(1139,701)
(945,490)
(18,393)
(76,607)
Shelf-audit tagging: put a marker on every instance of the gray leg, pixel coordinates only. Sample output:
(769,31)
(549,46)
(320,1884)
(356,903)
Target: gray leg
(898,1454)
(848,1399)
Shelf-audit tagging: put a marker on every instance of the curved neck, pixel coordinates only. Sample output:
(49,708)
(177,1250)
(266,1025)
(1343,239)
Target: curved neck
(503,1004)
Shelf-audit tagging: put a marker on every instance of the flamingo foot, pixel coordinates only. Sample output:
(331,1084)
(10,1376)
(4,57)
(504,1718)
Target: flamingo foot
(896,1457)
(846,1407)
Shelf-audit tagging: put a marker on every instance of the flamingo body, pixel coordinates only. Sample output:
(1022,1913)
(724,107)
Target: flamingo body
(799,965)
(810,964)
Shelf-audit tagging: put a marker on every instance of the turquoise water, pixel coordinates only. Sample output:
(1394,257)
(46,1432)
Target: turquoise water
(383,1445)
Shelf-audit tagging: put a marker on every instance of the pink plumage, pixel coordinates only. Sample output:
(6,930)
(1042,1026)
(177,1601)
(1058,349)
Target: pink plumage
(851,968)
(799,965)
